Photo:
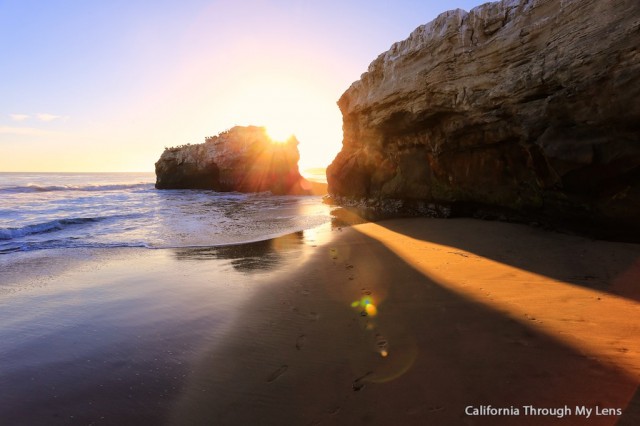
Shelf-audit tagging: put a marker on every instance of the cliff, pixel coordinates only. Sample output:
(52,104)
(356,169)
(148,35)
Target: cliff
(241,159)
(526,109)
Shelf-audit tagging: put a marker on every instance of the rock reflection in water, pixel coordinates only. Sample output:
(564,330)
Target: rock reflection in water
(248,257)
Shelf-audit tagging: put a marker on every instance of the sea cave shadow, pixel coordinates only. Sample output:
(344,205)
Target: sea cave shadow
(610,267)
(303,355)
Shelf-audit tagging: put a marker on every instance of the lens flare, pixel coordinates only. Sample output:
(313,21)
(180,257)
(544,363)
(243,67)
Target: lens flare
(367,306)
(371,310)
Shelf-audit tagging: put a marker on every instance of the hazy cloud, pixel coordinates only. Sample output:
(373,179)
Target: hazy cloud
(18,117)
(43,116)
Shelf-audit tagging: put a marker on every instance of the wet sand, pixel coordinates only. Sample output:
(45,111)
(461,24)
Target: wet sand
(402,322)
(111,336)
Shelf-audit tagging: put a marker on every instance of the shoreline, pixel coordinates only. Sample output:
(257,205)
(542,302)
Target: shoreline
(467,313)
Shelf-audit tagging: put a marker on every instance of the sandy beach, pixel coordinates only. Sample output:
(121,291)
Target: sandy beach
(272,213)
(399,322)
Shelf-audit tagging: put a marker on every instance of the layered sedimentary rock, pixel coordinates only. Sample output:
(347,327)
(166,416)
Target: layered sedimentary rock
(243,159)
(529,107)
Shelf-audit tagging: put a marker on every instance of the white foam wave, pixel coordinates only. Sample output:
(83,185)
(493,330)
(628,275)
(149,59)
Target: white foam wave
(45,227)
(41,188)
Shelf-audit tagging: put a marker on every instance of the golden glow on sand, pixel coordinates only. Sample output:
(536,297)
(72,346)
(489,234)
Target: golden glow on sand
(554,307)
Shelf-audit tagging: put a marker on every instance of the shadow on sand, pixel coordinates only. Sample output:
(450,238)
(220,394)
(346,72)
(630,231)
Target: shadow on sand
(303,355)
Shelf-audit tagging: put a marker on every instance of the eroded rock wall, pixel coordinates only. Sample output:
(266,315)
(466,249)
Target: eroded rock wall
(243,159)
(528,106)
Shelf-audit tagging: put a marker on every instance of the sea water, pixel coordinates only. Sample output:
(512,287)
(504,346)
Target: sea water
(70,210)
(94,331)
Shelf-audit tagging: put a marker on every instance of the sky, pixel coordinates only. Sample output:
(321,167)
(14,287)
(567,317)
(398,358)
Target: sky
(97,86)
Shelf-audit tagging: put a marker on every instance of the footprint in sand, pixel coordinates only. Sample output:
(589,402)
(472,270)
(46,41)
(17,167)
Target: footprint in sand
(358,384)
(300,341)
(382,345)
(334,411)
(279,372)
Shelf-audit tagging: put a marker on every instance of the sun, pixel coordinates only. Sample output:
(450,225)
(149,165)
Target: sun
(278,133)
(285,104)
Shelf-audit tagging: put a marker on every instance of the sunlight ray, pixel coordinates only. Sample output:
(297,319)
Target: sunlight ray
(579,316)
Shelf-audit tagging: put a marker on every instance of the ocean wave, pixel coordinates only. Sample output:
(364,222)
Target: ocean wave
(40,188)
(45,227)
(66,244)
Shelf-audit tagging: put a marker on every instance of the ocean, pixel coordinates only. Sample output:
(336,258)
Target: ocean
(41,211)
(112,293)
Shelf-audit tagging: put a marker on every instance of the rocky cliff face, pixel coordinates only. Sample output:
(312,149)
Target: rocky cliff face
(530,107)
(242,159)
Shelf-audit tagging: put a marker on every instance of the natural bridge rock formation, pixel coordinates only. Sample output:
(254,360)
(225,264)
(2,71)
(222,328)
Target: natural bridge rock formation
(528,109)
(243,159)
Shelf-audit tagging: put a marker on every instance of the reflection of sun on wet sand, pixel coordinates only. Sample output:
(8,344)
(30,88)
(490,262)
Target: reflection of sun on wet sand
(411,321)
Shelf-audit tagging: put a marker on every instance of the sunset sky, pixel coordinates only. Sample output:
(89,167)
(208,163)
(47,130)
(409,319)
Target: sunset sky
(106,85)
